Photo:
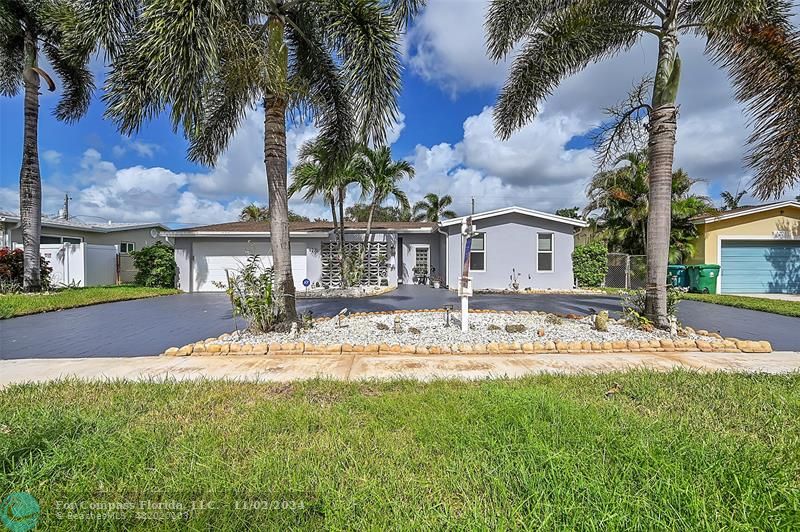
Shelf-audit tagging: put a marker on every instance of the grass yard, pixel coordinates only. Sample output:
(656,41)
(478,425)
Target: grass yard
(12,305)
(776,306)
(672,451)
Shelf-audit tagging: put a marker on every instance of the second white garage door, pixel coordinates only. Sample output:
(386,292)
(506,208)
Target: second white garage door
(211,259)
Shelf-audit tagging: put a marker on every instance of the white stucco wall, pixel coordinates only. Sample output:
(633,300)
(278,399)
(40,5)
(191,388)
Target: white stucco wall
(511,242)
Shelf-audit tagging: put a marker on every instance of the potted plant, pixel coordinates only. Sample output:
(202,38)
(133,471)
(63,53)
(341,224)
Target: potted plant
(436,280)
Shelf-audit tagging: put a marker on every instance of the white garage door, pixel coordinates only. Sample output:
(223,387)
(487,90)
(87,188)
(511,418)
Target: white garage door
(211,259)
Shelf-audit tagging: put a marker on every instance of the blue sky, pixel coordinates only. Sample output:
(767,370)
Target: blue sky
(445,130)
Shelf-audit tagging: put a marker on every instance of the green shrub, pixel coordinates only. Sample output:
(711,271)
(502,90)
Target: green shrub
(590,264)
(12,268)
(156,266)
(253,295)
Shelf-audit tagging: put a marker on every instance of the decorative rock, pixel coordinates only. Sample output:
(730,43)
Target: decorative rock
(493,327)
(527,347)
(381,326)
(540,333)
(513,328)
(171,352)
(414,330)
(668,344)
(185,350)
(214,348)
(601,321)
(550,346)
(702,332)
(705,346)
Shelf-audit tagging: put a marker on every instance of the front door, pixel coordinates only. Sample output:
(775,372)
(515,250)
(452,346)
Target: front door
(422,264)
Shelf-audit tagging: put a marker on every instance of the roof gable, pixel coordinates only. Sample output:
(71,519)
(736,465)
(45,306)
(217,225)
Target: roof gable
(516,210)
(745,211)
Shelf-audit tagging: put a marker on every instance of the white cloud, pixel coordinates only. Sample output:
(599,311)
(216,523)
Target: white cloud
(140,148)
(531,169)
(51,157)
(447,46)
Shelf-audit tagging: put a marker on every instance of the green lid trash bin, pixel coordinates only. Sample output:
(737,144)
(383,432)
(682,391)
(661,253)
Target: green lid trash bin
(703,278)
(677,276)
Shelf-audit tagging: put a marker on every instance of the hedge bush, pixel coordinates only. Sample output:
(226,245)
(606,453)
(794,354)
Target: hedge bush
(590,264)
(156,266)
(12,268)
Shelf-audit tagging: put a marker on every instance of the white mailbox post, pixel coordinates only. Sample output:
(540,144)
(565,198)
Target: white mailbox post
(465,283)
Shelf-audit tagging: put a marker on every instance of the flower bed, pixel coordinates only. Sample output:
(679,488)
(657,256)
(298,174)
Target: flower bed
(424,332)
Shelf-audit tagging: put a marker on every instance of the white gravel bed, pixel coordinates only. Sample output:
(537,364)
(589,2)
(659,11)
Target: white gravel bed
(365,330)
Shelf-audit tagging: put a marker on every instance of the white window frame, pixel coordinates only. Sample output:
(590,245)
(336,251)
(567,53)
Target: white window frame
(471,269)
(132,244)
(61,237)
(552,252)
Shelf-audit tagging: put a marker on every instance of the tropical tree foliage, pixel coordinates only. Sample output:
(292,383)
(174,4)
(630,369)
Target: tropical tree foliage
(754,41)
(31,30)
(571,212)
(731,200)
(257,213)
(385,213)
(433,208)
(209,63)
(381,180)
(321,172)
(620,198)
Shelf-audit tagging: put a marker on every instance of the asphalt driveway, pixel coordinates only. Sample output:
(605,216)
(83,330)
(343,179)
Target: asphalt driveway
(149,326)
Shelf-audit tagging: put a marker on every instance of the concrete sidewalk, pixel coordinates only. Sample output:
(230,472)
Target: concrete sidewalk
(358,367)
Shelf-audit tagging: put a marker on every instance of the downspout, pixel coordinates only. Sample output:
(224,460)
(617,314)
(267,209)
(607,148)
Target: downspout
(446,255)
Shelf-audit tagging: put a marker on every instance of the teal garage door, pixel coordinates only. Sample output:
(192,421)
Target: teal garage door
(757,267)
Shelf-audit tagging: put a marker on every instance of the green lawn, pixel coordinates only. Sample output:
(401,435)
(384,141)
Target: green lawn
(20,304)
(786,308)
(672,451)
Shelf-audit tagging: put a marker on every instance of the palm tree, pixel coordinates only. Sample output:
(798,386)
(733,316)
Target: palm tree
(381,177)
(621,196)
(253,213)
(211,62)
(433,208)
(731,201)
(320,172)
(754,41)
(29,29)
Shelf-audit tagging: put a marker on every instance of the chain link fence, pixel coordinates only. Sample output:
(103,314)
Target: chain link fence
(626,271)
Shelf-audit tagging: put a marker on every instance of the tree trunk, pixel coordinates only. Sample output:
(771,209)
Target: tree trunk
(367,233)
(344,266)
(30,181)
(275,161)
(661,151)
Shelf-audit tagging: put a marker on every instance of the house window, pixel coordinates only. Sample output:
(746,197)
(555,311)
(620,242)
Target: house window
(127,247)
(477,255)
(51,239)
(544,252)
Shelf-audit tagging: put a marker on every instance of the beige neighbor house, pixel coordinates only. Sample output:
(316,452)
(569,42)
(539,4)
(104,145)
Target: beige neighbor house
(758,248)
(126,237)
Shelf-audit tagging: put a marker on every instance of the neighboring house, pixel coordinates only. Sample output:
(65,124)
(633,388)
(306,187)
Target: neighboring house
(536,245)
(126,237)
(758,248)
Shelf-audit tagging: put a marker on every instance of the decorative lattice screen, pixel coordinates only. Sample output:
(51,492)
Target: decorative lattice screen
(375,269)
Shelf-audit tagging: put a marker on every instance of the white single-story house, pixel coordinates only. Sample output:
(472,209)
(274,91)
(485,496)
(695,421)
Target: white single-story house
(126,237)
(534,248)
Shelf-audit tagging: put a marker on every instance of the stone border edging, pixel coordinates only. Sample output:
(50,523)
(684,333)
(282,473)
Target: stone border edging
(210,347)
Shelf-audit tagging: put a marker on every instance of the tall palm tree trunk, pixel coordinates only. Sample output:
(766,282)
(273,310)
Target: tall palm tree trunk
(661,152)
(30,182)
(344,265)
(275,161)
(368,232)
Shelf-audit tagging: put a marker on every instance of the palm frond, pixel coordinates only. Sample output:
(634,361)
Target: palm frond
(364,35)
(317,82)
(760,49)
(508,21)
(560,45)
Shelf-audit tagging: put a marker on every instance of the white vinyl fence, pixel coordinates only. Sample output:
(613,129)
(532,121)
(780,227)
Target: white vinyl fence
(81,264)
